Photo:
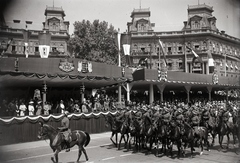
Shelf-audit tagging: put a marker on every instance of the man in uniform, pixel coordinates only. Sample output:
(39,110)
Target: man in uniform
(205,116)
(166,116)
(179,117)
(225,116)
(195,120)
(66,130)
(121,117)
(148,115)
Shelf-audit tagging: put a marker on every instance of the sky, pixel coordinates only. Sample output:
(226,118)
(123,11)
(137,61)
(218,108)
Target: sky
(168,15)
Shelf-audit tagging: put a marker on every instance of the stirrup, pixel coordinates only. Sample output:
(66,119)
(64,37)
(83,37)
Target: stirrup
(67,150)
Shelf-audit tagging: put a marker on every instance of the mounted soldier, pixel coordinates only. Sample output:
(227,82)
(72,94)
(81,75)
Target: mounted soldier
(166,116)
(195,120)
(205,116)
(225,115)
(66,130)
(148,115)
(179,118)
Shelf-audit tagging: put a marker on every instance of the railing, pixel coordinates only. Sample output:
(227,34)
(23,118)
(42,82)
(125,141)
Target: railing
(25,129)
(199,31)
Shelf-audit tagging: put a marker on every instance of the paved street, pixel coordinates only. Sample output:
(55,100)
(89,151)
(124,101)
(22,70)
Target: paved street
(101,149)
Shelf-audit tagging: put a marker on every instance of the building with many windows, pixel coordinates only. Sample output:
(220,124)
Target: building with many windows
(199,32)
(180,73)
(54,24)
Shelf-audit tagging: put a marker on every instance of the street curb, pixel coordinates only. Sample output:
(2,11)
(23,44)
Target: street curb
(43,143)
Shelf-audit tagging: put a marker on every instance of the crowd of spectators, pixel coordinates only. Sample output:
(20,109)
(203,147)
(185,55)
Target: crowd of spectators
(97,103)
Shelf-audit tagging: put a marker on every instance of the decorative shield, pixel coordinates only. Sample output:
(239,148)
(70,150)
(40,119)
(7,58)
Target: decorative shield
(66,66)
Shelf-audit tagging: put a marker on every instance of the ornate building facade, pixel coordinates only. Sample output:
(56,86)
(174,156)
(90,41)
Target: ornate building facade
(200,32)
(54,24)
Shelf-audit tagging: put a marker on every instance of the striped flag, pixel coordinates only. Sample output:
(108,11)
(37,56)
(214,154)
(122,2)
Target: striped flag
(26,36)
(164,56)
(196,57)
(126,44)
(8,44)
(210,62)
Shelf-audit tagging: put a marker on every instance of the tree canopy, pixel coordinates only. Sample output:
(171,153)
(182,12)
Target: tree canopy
(94,41)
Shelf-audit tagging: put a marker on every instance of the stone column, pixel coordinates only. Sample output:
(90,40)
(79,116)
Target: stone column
(128,89)
(119,94)
(187,88)
(151,94)
(82,90)
(161,89)
(227,93)
(44,92)
(207,68)
(209,89)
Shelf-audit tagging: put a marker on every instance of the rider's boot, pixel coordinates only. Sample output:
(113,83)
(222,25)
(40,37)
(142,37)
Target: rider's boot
(68,146)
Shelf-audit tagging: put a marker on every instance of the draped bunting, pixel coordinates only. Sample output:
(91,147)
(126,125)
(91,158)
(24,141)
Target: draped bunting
(62,76)
(36,119)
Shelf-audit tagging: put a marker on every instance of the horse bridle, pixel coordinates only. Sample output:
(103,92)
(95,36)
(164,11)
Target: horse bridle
(42,135)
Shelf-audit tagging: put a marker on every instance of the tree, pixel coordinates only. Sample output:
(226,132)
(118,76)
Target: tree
(94,41)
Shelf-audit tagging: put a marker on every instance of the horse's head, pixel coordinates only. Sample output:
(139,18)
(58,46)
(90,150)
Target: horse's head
(107,121)
(132,127)
(42,133)
(45,131)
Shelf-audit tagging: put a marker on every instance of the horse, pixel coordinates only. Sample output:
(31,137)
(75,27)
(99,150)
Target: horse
(57,141)
(175,136)
(225,128)
(188,138)
(201,134)
(211,124)
(162,134)
(134,130)
(147,131)
(124,131)
(114,127)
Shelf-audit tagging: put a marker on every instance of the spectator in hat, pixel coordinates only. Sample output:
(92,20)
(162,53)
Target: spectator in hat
(62,106)
(84,106)
(76,108)
(46,108)
(23,109)
(31,108)
(39,108)
(12,108)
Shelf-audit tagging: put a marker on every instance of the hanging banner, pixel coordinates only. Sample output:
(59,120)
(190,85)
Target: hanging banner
(26,49)
(44,44)
(44,51)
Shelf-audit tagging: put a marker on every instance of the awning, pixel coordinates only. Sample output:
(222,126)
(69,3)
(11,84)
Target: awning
(226,65)
(236,67)
(231,66)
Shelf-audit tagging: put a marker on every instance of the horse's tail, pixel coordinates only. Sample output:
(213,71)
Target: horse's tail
(88,139)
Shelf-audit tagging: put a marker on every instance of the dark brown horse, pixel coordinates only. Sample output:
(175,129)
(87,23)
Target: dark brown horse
(57,142)
(147,131)
(134,130)
(162,135)
(188,138)
(115,127)
(124,130)
(175,136)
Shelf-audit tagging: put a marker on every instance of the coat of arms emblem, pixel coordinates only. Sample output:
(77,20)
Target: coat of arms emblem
(84,66)
(66,65)
(162,74)
(215,78)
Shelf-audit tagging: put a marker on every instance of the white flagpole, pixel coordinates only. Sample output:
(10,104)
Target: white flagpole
(225,67)
(119,47)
